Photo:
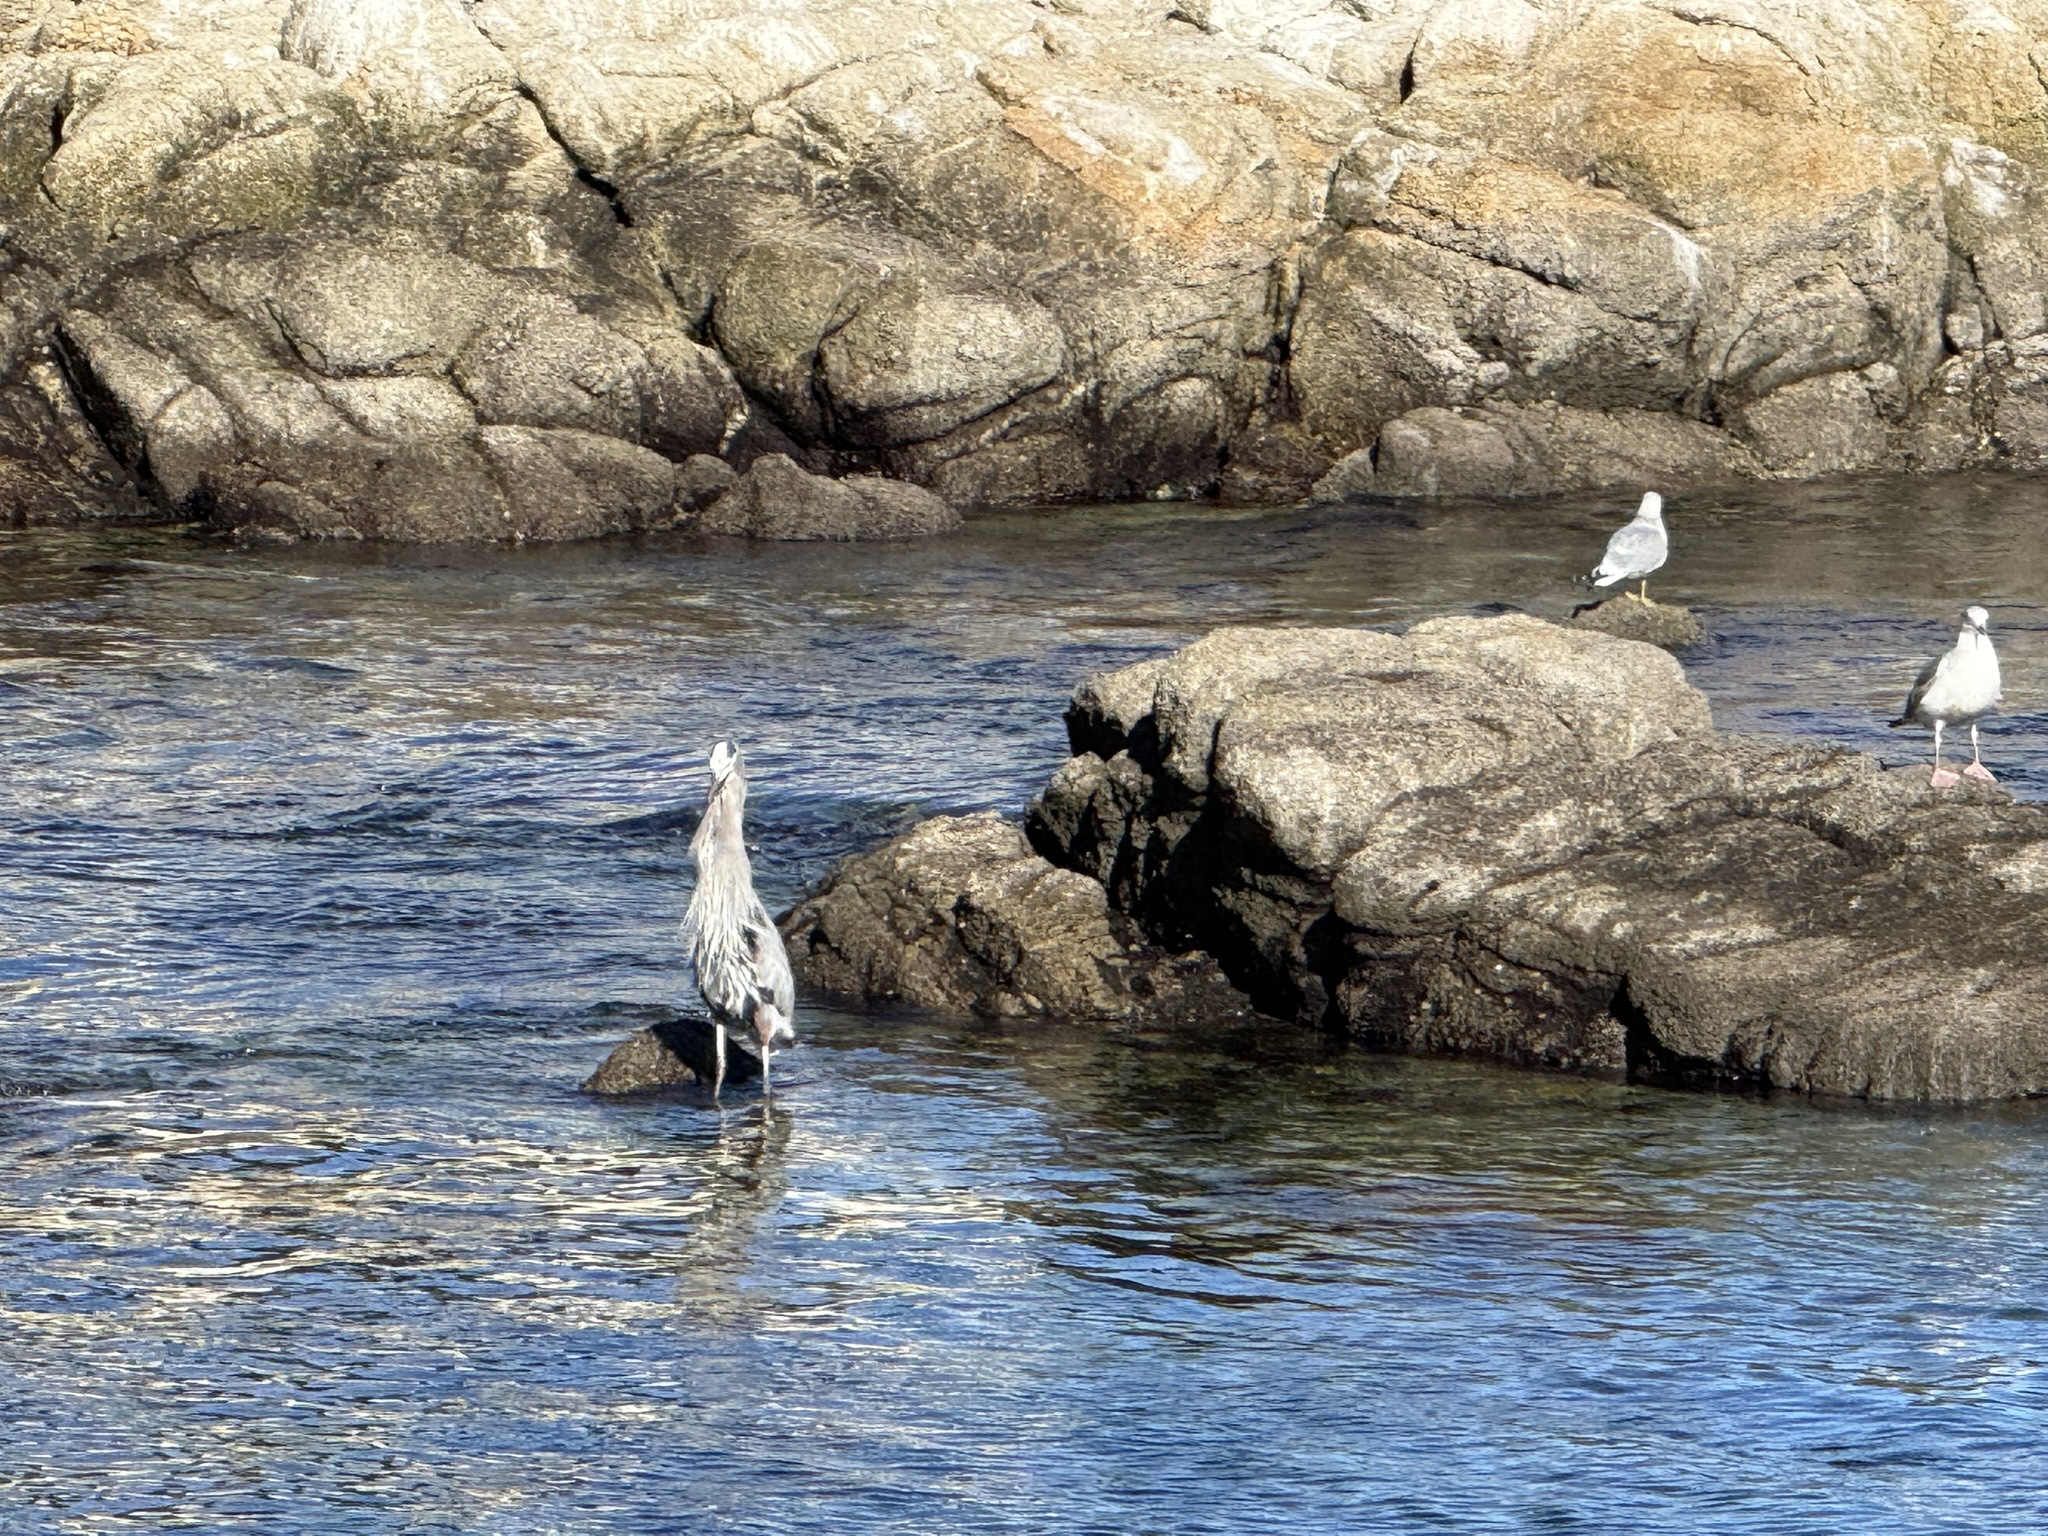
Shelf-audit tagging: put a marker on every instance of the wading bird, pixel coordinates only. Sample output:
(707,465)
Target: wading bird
(742,969)
(1637,549)
(1959,685)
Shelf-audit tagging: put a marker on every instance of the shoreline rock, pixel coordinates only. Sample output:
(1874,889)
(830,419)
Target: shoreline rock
(1509,839)
(393,269)
(775,499)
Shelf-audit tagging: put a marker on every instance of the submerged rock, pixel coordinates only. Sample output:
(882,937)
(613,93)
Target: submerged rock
(1629,617)
(1500,837)
(676,1053)
(775,499)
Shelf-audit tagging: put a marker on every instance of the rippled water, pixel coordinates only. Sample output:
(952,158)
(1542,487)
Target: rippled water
(325,875)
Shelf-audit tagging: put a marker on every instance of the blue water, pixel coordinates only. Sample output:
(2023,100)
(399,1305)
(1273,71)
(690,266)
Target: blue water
(326,875)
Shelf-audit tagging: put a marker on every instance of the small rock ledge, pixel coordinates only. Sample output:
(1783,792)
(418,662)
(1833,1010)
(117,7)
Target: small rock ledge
(1487,837)
(960,914)
(675,1053)
(1629,617)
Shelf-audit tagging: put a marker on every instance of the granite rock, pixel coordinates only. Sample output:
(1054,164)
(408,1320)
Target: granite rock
(1497,838)
(1628,617)
(775,499)
(1009,252)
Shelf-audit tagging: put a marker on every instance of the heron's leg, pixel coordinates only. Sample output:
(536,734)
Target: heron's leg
(1977,770)
(764,1028)
(1943,778)
(718,1081)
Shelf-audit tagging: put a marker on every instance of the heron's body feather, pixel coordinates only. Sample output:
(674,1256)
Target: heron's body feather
(742,969)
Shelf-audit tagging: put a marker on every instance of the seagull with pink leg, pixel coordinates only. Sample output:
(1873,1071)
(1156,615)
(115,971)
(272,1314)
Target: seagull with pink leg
(1958,687)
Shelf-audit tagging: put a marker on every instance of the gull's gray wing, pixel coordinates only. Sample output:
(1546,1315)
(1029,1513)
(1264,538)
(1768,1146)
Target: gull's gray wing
(1921,684)
(1634,551)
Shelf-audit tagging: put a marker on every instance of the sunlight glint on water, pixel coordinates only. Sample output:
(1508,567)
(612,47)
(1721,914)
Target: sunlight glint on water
(329,873)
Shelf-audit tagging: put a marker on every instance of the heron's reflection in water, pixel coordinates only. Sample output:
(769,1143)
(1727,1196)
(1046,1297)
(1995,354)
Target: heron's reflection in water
(746,1176)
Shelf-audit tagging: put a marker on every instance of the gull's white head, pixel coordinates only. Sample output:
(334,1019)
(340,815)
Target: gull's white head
(1652,509)
(1976,618)
(725,762)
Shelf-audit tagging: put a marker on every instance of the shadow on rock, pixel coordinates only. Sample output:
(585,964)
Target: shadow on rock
(678,1052)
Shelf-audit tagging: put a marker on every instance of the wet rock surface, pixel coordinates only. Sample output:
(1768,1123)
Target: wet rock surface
(395,269)
(961,914)
(1629,617)
(1493,837)
(775,499)
(675,1053)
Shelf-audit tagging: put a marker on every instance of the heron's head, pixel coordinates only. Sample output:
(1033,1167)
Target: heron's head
(1977,619)
(725,762)
(1652,509)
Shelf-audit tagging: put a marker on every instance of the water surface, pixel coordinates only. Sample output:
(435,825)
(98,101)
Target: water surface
(326,874)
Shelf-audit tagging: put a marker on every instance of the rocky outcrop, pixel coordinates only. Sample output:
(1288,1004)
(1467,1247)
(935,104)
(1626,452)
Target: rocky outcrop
(407,268)
(1631,618)
(775,499)
(1504,838)
(960,914)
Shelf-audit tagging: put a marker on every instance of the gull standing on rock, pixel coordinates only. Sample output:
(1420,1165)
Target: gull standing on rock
(1961,684)
(1636,550)
(742,969)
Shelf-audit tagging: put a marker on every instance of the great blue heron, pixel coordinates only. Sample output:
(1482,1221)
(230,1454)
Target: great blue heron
(742,968)
(1961,684)
(1636,549)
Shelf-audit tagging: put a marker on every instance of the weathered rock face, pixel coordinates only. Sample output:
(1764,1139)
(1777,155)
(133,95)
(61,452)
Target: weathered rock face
(1504,838)
(960,914)
(408,268)
(776,500)
(1736,910)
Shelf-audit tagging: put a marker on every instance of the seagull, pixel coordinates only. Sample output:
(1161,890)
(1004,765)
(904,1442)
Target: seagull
(1636,550)
(1961,684)
(741,967)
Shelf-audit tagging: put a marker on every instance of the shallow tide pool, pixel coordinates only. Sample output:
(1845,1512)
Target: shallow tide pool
(327,874)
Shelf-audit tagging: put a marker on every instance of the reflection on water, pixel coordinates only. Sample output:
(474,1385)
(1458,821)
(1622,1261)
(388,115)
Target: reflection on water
(326,874)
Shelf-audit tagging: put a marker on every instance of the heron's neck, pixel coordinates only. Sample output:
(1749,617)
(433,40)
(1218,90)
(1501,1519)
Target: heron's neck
(721,828)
